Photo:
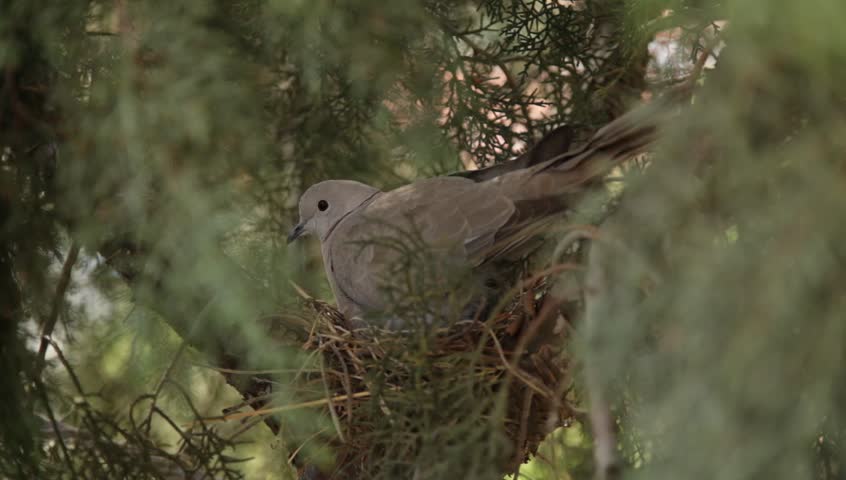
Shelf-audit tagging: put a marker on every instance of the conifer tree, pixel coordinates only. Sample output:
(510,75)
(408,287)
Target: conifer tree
(151,155)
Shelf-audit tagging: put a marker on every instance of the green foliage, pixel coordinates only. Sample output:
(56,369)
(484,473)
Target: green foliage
(731,367)
(170,140)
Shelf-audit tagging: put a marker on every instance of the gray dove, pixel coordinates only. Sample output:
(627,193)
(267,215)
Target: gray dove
(469,220)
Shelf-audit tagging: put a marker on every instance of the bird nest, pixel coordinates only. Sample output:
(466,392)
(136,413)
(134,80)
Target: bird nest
(399,402)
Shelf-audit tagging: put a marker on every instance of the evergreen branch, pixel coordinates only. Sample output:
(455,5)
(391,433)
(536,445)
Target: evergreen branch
(516,92)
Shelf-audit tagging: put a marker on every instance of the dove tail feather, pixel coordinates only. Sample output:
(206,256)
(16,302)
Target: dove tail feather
(627,136)
(555,185)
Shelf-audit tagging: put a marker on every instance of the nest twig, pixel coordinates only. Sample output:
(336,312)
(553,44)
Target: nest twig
(517,357)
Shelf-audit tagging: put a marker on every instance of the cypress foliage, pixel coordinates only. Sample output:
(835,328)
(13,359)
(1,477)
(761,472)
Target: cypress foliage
(151,155)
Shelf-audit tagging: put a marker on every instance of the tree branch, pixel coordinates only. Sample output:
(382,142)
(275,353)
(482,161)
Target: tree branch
(58,300)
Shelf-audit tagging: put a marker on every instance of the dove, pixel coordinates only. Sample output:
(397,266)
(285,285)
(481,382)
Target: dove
(468,223)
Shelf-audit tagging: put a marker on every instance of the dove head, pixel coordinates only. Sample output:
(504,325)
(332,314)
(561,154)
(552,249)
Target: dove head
(324,204)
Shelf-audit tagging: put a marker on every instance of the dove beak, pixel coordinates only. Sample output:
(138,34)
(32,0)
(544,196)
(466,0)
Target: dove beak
(296,232)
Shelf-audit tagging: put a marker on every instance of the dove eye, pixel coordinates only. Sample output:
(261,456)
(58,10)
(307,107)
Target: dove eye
(322,205)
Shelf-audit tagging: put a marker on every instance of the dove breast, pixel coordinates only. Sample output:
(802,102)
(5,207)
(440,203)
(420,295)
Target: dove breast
(453,218)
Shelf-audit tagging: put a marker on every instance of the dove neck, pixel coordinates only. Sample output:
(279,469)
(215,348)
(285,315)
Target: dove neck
(364,203)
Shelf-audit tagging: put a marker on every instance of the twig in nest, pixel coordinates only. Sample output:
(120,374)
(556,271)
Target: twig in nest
(234,371)
(561,267)
(285,408)
(515,371)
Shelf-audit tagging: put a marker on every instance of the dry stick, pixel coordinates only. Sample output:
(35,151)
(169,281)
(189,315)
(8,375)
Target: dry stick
(251,372)
(43,393)
(515,371)
(548,310)
(286,408)
(64,361)
(512,368)
(685,89)
(561,267)
(524,431)
(249,402)
(75,380)
(58,299)
(550,306)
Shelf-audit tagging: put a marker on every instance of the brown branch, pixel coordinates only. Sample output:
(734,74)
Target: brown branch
(98,33)
(285,408)
(524,430)
(684,90)
(514,370)
(55,426)
(58,299)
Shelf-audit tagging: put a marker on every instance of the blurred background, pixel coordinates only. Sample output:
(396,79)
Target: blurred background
(151,157)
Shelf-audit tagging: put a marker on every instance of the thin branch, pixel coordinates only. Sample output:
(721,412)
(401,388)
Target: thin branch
(58,300)
(182,346)
(490,59)
(528,395)
(55,425)
(99,33)
(286,408)
(64,361)
(684,90)
(515,371)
